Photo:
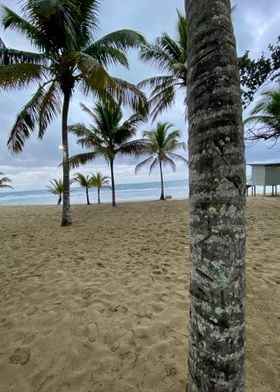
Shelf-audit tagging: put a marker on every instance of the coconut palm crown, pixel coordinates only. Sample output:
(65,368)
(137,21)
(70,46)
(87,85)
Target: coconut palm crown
(4,180)
(56,188)
(62,31)
(99,181)
(264,121)
(109,135)
(169,56)
(161,144)
(83,181)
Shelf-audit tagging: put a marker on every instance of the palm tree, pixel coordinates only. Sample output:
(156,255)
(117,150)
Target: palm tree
(3,181)
(265,118)
(217,201)
(170,56)
(161,145)
(56,188)
(68,55)
(83,181)
(99,181)
(108,136)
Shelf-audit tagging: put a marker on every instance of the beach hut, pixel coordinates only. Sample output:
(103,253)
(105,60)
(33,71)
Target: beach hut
(265,174)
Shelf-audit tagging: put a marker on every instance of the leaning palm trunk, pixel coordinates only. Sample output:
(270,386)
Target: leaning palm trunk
(161,181)
(113,183)
(217,201)
(66,211)
(98,195)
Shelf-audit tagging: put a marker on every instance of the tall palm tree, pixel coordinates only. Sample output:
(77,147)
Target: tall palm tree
(217,201)
(108,136)
(170,56)
(161,145)
(83,181)
(99,181)
(56,188)
(61,30)
(265,118)
(4,180)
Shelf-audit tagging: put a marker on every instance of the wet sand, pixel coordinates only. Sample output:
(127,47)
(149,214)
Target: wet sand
(102,306)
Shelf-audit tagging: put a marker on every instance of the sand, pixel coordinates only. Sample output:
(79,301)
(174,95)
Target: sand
(103,305)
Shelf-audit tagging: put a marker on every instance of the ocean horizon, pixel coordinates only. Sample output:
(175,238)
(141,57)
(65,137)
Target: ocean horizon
(141,191)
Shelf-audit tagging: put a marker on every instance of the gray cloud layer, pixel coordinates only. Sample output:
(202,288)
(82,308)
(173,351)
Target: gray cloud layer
(256,25)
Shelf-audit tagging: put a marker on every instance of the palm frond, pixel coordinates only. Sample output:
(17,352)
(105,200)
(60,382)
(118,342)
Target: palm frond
(13,56)
(106,55)
(122,40)
(161,101)
(56,187)
(81,159)
(13,21)
(153,53)
(49,109)
(20,75)
(4,180)
(94,75)
(153,165)
(182,32)
(133,147)
(82,180)
(169,162)
(129,95)
(29,116)
(140,165)
(178,157)
(79,130)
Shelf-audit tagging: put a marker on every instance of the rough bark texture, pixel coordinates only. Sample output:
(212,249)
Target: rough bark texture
(113,183)
(66,211)
(217,201)
(161,181)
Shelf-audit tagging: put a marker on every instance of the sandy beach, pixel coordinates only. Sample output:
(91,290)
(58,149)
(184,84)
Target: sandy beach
(102,306)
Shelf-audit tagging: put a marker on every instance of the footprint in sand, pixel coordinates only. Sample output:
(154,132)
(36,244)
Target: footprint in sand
(20,356)
(119,308)
(65,387)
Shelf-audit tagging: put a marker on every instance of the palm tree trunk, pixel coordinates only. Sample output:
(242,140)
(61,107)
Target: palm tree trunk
(161,181)
(217,201)
(98,195)
(66,211)
(88,203)
(113,183)
(59,200)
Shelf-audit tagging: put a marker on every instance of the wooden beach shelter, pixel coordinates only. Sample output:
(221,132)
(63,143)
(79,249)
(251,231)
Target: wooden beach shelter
(265,174)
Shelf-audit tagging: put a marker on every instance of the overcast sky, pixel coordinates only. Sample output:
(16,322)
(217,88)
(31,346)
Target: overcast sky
(256,25)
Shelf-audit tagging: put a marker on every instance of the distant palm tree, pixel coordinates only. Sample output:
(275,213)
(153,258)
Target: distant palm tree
(83,181)
(170,56)
(108,136)
(99,181)
(56,188)
(62,32)
(265,118)
(3,181)
(161,146)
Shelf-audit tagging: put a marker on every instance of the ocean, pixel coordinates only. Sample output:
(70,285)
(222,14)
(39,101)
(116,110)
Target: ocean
(178,189)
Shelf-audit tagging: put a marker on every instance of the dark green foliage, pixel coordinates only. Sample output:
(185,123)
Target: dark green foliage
(254,73)
(4,180)
(264,121)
